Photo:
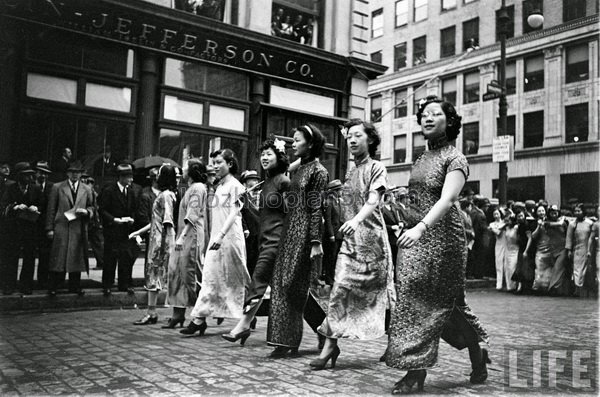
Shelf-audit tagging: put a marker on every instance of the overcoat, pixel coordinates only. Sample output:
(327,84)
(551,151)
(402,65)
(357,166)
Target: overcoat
(70,245)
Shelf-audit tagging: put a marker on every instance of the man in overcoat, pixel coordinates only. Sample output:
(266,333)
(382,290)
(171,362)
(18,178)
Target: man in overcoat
(70,206)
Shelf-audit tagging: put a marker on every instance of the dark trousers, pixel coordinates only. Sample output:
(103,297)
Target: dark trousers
(44,246)
(57,278)
(96,242)
(121,254)
(25,241)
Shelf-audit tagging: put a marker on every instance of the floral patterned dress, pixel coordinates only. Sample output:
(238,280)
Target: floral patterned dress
(293,268)
(431,274)
(161,241)
(364,269)
(225,277)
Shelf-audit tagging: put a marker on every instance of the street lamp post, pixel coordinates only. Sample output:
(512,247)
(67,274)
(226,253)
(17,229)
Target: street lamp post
(503,20)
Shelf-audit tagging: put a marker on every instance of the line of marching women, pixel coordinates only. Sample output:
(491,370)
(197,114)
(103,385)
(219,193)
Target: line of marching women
(424,291)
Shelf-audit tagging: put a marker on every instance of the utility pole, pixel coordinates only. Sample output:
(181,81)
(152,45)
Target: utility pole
(503,20)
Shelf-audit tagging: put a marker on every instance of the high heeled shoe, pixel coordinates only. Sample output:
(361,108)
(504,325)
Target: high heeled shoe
(242,336)
(479,373)
(319,363)
(282,351)
(412,378)
(147,319)
(192,328)
(173,323)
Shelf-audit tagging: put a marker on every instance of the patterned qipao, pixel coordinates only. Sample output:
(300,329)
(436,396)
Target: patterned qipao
(225,276)
(364,269)
(161,241)
(293,267)
(431,274)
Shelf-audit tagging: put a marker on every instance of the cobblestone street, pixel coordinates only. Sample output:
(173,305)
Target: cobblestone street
(101,352)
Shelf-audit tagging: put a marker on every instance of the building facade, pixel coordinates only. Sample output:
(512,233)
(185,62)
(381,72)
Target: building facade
(450,48)
(175,78)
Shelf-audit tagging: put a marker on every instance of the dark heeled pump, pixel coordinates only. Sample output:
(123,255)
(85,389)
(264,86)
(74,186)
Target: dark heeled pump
(480,374)
(192,328)
(412,378)
(147,319)
(242,336)
(320,363)
(173,323)
(281,352)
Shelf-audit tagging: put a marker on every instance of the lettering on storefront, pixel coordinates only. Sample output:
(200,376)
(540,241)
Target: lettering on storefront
(140,28)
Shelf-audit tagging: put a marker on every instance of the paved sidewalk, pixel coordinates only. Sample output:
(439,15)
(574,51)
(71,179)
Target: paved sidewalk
(101,352)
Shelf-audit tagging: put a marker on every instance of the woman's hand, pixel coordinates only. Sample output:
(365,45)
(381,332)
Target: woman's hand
(316,251)
(217,243)
(411,236)
(349,227)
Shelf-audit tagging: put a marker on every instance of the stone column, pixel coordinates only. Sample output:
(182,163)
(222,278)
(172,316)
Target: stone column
(594,134)
(255,134)
(554,131)
(146,131)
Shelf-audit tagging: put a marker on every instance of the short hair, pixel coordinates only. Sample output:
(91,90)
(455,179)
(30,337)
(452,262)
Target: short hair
(229,157)
(315,137)
(283,162)
(371,132)
(196,171)
(453,119)
(167,177)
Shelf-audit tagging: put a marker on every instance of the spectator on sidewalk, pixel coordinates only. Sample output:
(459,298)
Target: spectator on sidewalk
(143,215)
(61,165)
(44,245)
(332,237)
(498,227)
(578,234)
(249,179)
(70,207)
(21,204)
(480,226)
(95,230)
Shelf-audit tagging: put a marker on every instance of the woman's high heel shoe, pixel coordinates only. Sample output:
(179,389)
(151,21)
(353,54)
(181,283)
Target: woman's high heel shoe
(282,351)
(173,323)
(320,363)
(235,337)
(147,319)
(405,385)
(480,374)
(192,328)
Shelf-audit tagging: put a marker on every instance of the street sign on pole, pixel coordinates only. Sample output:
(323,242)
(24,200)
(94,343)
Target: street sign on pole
(494,88)
(488,96)
(503,148)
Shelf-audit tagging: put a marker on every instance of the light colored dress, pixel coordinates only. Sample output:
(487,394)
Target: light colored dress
(161,241)
(225,277)
(184,264)
(499,251)
(550,257)
(511,258)
(578,234)
(364,269)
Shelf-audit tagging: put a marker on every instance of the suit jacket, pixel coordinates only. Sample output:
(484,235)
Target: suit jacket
(333,223)
(14,196)
(60,169)
(113,204)
(44,206)
(70,243)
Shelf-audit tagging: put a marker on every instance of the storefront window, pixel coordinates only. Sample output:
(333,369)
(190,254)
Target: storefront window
(207,79)
(107,97)
(51,88)
(282,123)
(296,21)
(181,110)
(226,117)
(521,189)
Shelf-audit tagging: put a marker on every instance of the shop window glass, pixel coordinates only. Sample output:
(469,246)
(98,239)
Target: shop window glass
(577,123)
(510,25)
(377,23)
(418,145)
(207,79)
(582,186)
(419,50)
(573,9)
(375,108)
(400,103)
(420,10)
(471,87)
(226,117)
(400,56)
(470,33)
(447,42)
(400,149)
(181,110)
(528,7)
(449,90)
(470,138)
(51,88)
(534,73)
(577,63)
(533,129)
(401,12)
(522,189)
(107,97)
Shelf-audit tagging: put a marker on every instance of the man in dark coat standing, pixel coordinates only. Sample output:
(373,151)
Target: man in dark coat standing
(44,245)
(332,237)
(118,204)
(480,227)
(70,207)
(21,203)
(61,165)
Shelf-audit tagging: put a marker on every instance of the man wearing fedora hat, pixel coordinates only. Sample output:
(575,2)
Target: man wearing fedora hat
(21,203)
(118,205)
(43,172)
(70,206)
(250,222)
(332,237)
(95,229)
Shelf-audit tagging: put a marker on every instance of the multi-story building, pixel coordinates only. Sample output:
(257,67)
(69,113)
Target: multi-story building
(552,80)
(179,78)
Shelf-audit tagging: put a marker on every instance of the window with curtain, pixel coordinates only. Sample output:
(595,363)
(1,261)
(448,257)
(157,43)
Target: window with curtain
(471,87)
(533,129)
(399,56)
(577,63)
(400,149)
(377,23)
(420,10)
(401,12)
(470,33)
(534,73)
(577,123)
(447,42)
(419,50)
(375,108)
(449,90)
(470,134)
(401,106)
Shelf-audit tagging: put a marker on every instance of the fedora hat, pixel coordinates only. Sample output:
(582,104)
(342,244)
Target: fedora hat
(124,169)
(249,174)
(43,167)
(335,184)
(76,166)
(23,168)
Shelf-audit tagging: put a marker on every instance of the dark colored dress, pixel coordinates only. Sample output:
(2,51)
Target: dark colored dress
(293,268)
(271,217)
(431,274)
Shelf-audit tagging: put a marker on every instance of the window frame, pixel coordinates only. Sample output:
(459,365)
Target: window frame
(571,125)
(377,14)
(405,137)
(372,98)
(380,53)
(414,60)
(533,122)
(396,58)
(569,76)
(466,96)
(446,45)
(398,113)
(465,132)
(531,86)
(465,24)
(396,14)
(420,7)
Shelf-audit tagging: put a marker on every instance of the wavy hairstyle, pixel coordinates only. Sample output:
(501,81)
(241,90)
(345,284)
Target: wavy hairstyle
(283,162)
(167,177)
(196,171)
(371,132)
(229,157)
(453,119)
